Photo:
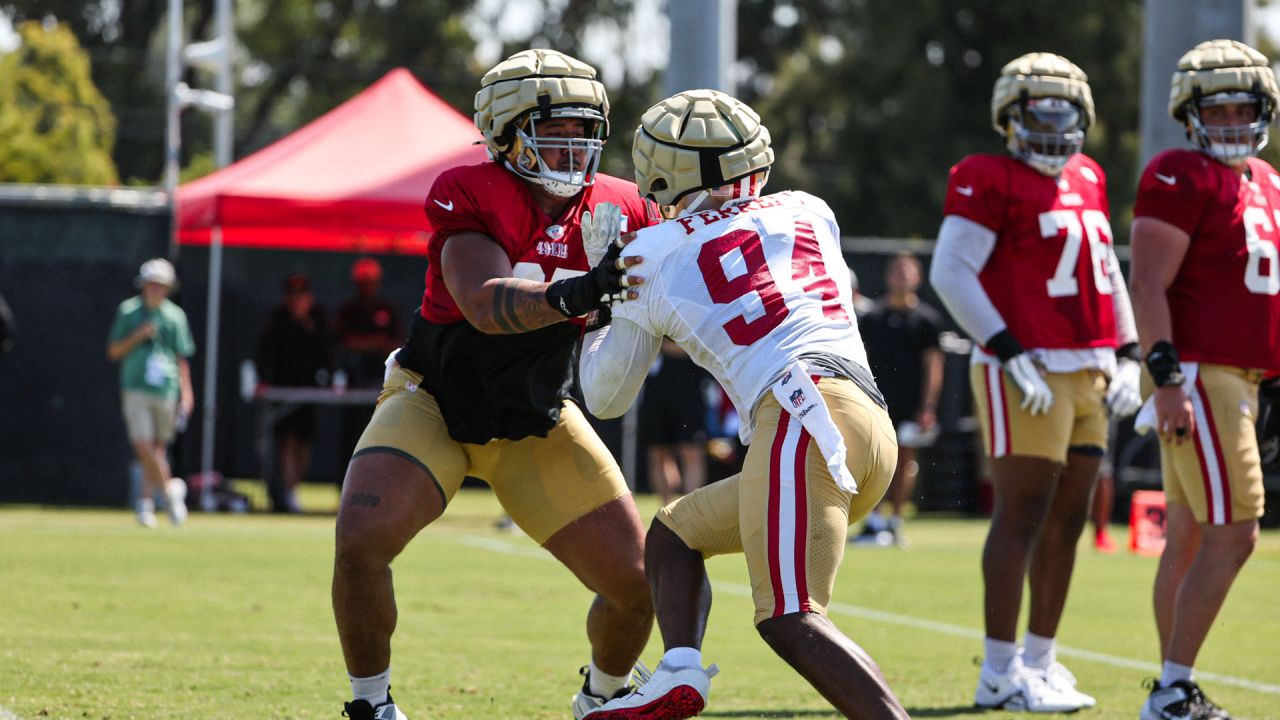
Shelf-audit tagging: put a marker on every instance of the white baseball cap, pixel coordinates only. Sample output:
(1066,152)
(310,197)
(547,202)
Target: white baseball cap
(157,270)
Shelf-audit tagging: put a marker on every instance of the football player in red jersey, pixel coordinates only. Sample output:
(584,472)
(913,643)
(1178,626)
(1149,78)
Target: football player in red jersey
(483,386)
(1206,291)
(1025,264)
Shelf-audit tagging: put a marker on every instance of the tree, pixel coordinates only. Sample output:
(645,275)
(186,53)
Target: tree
(55,127)
(295,59)
(870,103)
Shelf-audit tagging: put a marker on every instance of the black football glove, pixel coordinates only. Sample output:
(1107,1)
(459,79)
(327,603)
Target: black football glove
(597,289)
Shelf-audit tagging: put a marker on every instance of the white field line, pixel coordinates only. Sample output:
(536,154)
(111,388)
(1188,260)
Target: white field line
(888,618)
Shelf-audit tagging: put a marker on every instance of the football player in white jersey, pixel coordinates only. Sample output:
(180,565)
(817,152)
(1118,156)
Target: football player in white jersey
(755,289)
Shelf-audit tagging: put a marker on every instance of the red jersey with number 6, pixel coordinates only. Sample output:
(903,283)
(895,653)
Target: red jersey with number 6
(1225,300)
(1048,272)
(747,289)
(489,199)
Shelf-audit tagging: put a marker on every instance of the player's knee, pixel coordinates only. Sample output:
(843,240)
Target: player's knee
(1231,549)
(361,540)
(784,633)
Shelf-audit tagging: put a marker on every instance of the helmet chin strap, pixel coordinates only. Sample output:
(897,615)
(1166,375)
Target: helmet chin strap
(695,203)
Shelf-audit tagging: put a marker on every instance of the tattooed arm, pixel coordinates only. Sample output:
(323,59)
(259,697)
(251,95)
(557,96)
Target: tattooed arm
(478,275)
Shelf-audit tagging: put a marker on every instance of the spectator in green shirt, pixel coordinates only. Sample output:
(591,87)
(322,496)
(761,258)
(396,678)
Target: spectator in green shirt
(151,340)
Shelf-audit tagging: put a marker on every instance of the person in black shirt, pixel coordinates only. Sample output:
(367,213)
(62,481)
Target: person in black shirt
(901,335)
(295,350)
(367,329)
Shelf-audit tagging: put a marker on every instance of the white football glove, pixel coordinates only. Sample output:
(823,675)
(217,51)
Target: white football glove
(1122,397)
(599,230)
(1037,398)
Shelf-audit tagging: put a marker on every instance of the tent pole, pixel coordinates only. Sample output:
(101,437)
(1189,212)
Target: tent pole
(210,409)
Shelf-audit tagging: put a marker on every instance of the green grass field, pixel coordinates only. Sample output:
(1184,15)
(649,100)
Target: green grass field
(229,617)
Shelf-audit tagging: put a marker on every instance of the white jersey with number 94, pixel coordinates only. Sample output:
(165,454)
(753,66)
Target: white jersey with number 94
(746,290)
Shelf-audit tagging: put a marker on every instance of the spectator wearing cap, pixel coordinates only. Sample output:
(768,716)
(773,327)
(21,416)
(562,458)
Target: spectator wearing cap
(151,340)
(368,329)
(295,349)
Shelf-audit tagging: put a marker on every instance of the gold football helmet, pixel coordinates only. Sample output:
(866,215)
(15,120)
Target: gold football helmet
(1043,107)
(1218,72)
(699,140)
(533,87)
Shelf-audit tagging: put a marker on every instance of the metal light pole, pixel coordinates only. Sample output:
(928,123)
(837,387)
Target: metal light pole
(213,55)
(1170,28)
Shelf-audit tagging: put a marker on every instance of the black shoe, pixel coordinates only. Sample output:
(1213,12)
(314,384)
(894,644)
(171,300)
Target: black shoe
(362,710)
(586,701)
(1181,700)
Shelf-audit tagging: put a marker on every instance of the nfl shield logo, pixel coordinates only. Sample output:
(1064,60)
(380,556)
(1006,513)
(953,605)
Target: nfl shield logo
(797,398)
(555,232)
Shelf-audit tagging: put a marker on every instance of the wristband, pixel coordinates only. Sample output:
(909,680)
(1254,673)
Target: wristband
(1004,345)
(1162,363)
(1129,351)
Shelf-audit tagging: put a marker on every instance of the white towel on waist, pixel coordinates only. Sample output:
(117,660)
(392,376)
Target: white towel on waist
(798,395)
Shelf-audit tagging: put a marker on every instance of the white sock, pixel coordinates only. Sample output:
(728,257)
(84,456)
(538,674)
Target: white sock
(1173,672)
(683,657)
(999,655)
(146,505)
(373,689)
(602,684)
(1039,651)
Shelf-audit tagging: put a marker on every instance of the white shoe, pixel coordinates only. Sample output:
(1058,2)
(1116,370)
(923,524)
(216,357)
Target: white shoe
(146,518)
(1021,689)
(177,492)
(671,694)
(586,701)
(1060,679)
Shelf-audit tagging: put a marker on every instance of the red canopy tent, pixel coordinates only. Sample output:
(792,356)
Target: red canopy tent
(353,180)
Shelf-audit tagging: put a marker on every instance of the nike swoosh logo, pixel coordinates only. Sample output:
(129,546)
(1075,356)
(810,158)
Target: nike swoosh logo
(966,190)
(1167,179)
(447,206)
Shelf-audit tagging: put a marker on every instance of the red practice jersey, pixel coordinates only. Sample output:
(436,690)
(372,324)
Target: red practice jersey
(1225,299)
(1047,275)
(489,199)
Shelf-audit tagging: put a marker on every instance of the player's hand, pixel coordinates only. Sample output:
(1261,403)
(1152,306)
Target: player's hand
(1037,398)
(1175,417)
(1122,396)
(145,331)
(606,283)
(600,230)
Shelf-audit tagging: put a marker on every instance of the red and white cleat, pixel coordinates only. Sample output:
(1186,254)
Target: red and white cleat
(671,694)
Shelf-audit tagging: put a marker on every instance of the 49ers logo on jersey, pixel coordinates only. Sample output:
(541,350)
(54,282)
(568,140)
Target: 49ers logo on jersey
(550,248)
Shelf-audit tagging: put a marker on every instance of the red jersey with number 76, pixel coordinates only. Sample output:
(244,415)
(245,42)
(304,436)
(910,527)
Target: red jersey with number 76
(1048,272)
(747,289)
(1225,300)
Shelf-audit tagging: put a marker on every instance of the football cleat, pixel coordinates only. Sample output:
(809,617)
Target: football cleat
(177,492)
(873,538)
(1022,690)
(1181,700)
(363,710)
(586,701)
(1062,680)
(670,694)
